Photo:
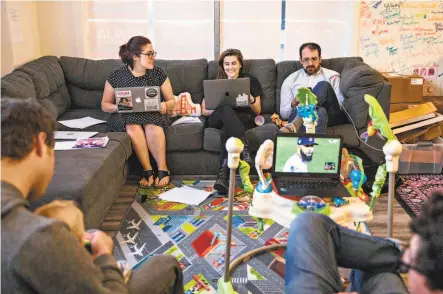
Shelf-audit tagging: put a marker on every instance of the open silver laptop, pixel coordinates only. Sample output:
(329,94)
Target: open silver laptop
(308,164)
(138,99)
(231,92)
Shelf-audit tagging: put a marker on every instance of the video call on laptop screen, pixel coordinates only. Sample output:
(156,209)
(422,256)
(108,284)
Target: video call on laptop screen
(307,155)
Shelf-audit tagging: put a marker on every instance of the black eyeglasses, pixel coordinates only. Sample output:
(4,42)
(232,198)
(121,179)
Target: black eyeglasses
(149,54)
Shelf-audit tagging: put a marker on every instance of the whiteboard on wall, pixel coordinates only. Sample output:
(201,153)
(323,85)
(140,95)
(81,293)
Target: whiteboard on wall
(404,37)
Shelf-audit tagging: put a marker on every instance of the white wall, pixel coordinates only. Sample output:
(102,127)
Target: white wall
(31,29)
(63,28)
(7,57)
(20,35)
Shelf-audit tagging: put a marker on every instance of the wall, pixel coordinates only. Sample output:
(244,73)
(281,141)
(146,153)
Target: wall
(63,28)
(7,57)
(31,29)
(404,37)
(20,35)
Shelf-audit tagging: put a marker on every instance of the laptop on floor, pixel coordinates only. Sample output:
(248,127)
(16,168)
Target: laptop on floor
(231,92)
(308,164)
(138,99)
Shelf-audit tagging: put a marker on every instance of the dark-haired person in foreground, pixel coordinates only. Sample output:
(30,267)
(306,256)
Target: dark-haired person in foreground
(41,255)
(324,83)
(146,129)
(317,246)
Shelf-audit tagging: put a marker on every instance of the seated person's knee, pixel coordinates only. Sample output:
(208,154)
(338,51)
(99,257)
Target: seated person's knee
(306,221)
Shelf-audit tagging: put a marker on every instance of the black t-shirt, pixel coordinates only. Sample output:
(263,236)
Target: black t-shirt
(255,86)
(255,89)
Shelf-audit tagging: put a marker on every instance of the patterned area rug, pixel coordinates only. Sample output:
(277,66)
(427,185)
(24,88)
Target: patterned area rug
(155,226)
(412,190)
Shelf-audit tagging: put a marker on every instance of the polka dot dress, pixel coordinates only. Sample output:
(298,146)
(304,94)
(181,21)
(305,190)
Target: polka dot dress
(122,77)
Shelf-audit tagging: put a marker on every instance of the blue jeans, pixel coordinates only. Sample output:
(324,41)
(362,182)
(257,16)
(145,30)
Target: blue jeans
(329,113)
(317,246)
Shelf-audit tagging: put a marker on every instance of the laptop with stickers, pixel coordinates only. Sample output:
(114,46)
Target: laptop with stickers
(138,99)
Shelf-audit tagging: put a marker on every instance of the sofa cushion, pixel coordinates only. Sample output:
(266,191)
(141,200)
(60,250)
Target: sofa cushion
(18,84)
(256,136)
(79,113)
(211,140)
(186,76)
(184,137)
(358,79)
(86,79)
(82,174)
(285,68)
(264,71)
(348,133)
(49,82)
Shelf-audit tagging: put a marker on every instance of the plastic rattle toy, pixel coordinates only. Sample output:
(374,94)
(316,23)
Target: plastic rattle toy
(234,146)
(391,149)
(307,109)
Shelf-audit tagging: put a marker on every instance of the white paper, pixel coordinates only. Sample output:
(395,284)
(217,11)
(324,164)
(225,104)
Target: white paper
(65,145)
(81,123)
(67,135)
(186,120)
(186,195)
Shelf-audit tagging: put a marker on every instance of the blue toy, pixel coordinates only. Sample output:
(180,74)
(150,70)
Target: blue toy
(358,178)
(339,201)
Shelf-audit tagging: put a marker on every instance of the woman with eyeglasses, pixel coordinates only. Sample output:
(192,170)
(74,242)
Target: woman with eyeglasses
(233,122)
(146,129)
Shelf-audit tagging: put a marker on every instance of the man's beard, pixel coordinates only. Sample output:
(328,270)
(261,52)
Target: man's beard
(316,69)
(305,157)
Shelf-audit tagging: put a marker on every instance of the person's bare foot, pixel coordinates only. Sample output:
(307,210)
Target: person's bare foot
(147,180)
(163,179)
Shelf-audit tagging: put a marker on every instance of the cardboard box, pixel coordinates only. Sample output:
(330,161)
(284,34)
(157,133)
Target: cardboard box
(395,107)
(405,88)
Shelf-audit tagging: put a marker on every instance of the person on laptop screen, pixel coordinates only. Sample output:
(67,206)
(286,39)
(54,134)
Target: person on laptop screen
(298,163)
(146,129)
(233,122)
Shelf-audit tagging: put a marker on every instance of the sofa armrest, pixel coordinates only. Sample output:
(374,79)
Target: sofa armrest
(384,98)
(357,80)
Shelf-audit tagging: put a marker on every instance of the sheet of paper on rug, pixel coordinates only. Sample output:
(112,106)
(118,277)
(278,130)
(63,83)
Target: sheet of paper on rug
(81,123)
(186,195)
(187,120)
(65,145)
(68,135)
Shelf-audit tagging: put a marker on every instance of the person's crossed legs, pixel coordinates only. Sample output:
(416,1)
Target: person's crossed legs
(328,110)
(317,246)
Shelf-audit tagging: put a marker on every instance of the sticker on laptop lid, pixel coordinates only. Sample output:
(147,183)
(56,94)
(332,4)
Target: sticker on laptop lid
(242,100)
(417,81)
(152,99)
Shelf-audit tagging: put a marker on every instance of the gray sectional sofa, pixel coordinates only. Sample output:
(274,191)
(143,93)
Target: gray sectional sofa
(72,88)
